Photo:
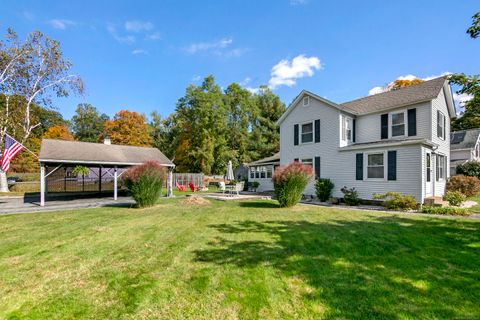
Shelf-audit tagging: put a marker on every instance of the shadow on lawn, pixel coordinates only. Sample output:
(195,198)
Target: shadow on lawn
(386,267)
(259,204)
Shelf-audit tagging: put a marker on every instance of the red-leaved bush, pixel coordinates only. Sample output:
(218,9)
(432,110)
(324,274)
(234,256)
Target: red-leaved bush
(145,182)
(290,181)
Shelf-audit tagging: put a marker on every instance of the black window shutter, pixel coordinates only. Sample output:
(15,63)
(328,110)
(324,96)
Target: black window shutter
(317,167)
(317,130)
(354,129)
(444,127)
(296,159)
(439,129)
(412,122)
(359,166)
(384,126)
(392,165)
(295,135)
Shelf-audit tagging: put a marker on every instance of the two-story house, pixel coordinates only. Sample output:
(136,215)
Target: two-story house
(464,147)
(393,141)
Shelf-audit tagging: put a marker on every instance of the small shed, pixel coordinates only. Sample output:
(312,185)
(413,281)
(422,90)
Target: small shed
(105,158)
(262,171)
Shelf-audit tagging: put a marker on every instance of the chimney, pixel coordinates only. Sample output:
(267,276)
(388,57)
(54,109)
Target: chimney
(106,140)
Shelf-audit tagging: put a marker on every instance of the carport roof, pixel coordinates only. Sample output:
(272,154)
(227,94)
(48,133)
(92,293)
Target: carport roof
(76,152)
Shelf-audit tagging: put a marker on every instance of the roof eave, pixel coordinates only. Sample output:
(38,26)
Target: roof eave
(115,163)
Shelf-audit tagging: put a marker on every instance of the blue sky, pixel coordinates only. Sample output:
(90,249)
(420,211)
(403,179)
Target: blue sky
(141,55)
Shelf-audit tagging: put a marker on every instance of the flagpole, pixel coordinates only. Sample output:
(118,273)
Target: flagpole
(23,146)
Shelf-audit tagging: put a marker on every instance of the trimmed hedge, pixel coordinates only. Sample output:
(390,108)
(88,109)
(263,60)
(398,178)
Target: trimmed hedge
(397,201)
(290,182)
(454,211)
(145,182)
(454,198)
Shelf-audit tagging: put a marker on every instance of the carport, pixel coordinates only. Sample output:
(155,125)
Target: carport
(105,158)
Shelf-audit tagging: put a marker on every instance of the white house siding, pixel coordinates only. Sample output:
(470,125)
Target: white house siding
(339,166)
(439,103)
(368,126)
(265,184)
(461,154)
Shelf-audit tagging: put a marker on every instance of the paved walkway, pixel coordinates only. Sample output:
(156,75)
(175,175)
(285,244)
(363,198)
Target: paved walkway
(9,205)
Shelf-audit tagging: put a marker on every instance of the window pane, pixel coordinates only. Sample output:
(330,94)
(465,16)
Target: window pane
(307,127)
(269,172)
(398,130)
(308,162)
(307,137)
(375,172)
(398,118)
(375,159)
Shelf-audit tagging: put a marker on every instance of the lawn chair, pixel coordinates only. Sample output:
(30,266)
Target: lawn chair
(193,188)
(180,187)
(236,188)
(221,186)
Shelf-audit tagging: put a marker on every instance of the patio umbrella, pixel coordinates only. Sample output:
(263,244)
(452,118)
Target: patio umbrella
(229,176)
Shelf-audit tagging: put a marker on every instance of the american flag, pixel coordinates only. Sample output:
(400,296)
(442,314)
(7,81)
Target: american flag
(12,148)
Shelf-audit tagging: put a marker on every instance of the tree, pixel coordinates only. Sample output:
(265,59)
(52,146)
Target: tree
(32,72)
(474,30)
(127,128)
(87,123)
(397,84)
(164,134)
(59,132)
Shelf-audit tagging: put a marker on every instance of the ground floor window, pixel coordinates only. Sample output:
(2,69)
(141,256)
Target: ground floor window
(307,161)
(375,166)
(441,167)
(261,172)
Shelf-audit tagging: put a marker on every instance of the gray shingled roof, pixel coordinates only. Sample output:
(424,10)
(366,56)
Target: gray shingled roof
(272,159)
(405,96)
(464,139)
(98,153)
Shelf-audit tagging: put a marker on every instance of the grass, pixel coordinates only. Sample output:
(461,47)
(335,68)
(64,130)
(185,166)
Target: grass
(475,208)
(231,260)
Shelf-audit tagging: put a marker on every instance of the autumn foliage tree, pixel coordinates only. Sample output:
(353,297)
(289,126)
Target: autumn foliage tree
(402,83)
(59,132)
(127,128)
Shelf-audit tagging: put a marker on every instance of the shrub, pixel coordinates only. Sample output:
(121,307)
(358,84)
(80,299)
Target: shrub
(144,182)
(255,185)
(290,181)
(397,201)
(468,186)
(323,189)
(471,169)
(350,196)
(454,198)
(454,211)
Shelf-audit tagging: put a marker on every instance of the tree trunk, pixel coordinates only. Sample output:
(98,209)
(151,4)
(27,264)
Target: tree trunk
(3,181)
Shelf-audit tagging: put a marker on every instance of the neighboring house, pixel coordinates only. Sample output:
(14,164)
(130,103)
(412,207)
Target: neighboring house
(392,141)
(464,146)
(262,171)
(241,172)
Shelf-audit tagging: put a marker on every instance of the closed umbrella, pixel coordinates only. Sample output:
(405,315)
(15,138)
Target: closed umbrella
(229,176)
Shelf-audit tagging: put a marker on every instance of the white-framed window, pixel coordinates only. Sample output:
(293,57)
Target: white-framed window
(347,127)
(252,172)
(257,173)
(441,125)
(269,171)
(306,101)
(376,165)
(441,167)
(477,151)
(397,124)
(307,161)
(306,132)
(263,172)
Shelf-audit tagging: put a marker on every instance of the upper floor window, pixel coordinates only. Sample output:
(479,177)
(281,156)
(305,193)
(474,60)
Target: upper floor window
(306,101)
(398,124)
(441,123)
(347,125)
(375,166)
(307,132)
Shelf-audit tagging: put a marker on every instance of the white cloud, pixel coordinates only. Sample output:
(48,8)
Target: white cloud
(410,77)
(61,24)
(253,90)
(286,72)
(206,46)
(126,39)
(462,98)
(139,51)
(196,78)
(245,81)
(154,36)
(138,26)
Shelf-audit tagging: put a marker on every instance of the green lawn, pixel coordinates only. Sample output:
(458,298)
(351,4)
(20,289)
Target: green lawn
(243,260)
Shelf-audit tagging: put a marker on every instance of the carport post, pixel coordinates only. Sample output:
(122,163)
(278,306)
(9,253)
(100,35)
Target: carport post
(42,184)
(170,182)
(115,183)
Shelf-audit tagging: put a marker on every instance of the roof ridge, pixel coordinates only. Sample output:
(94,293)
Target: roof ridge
(98,143)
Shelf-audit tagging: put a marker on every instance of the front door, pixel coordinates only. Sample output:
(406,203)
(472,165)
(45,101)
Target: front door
(429,175)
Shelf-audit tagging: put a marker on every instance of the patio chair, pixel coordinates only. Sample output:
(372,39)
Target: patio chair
(237,188)
(221,186)
(180,187)
(193,187)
